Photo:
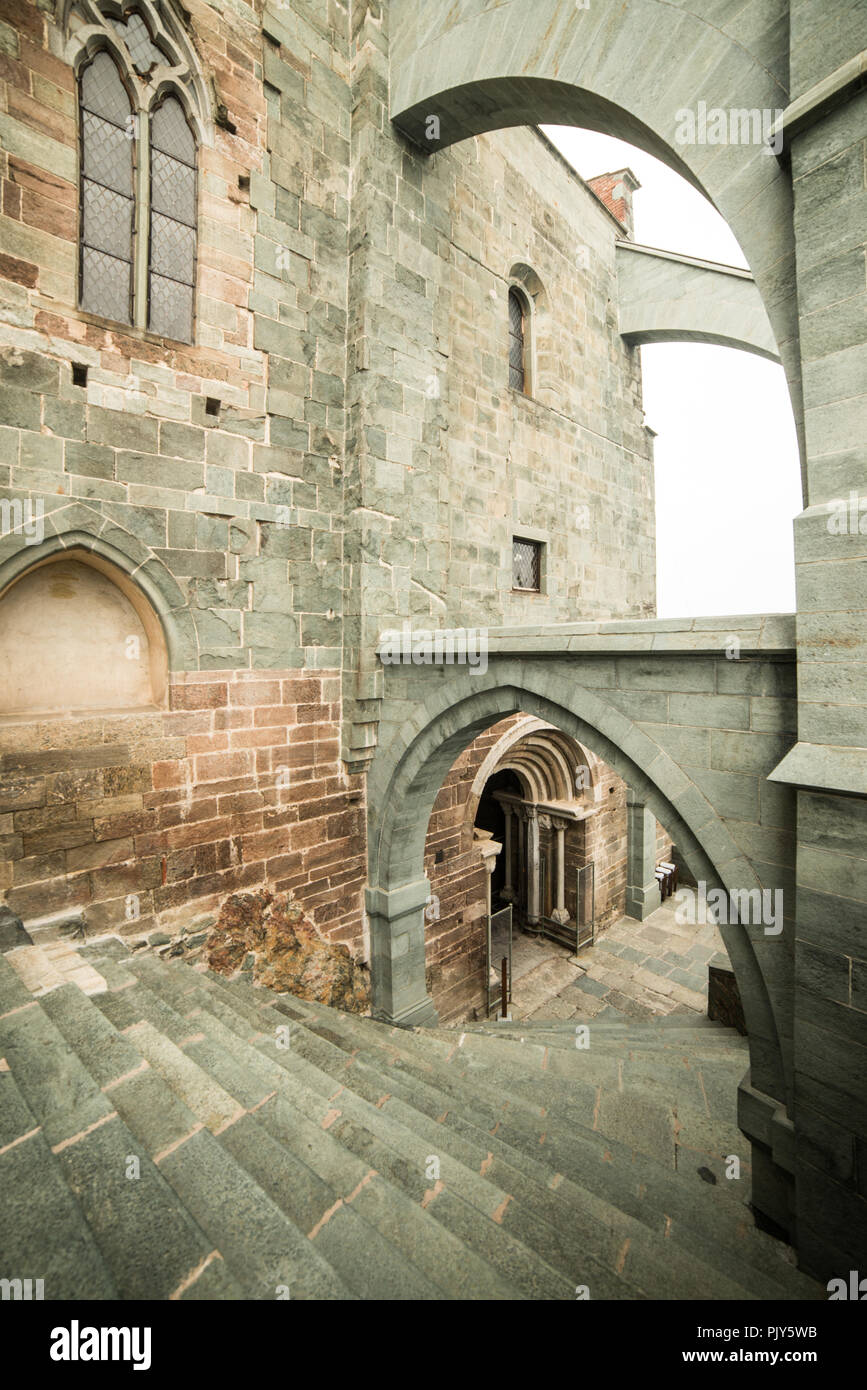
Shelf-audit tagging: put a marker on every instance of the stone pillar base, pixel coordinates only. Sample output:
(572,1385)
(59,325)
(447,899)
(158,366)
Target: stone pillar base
(640,902)
(420,1015)
(771,1133)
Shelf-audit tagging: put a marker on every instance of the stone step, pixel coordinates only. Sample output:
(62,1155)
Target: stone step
(742,1258)
(559,1054)
(669,1054)
(147,1239)
(43,1233)
(455,1279)
(514,1172)
(566,1029)
(172,1108)
(436,1135)
(771,1272)
(770,1255)
(650,1113)
(418,1045)
(537,1195)
(395,1151)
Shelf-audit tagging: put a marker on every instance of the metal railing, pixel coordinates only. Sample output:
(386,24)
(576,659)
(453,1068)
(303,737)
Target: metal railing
(499,960)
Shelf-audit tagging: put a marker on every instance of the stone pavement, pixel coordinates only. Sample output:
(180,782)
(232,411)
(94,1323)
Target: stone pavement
(638,969)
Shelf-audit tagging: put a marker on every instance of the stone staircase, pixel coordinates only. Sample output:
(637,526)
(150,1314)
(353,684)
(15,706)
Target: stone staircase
(180,1136)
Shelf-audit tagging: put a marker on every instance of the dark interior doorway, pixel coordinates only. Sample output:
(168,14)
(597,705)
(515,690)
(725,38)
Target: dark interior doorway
(489,816)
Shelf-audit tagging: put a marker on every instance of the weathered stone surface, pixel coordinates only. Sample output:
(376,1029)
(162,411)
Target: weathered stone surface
(288,954)
(12,933)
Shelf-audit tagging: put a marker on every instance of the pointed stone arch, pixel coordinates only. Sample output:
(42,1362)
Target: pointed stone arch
(405,778)
(87,26)
(628,71)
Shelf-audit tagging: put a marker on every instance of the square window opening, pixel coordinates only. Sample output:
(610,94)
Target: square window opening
(526,565)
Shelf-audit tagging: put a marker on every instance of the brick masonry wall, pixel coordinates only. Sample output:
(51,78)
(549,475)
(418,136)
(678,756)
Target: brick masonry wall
(136,820)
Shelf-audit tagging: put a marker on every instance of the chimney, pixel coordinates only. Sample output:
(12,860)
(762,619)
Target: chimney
(615,191)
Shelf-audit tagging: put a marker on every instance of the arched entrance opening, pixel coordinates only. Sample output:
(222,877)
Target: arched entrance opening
(407,781)
(530,823)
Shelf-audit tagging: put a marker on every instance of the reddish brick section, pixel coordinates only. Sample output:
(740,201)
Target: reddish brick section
(165,813)
(606,846)
(615,191)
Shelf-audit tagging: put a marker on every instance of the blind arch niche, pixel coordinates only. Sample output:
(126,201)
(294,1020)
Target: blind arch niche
(76,635)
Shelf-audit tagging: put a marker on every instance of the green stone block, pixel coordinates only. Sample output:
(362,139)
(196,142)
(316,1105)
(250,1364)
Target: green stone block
(20,409)
(42,451)
(64,418)
(182,441)
(89,460)
(182,530)
(122,430)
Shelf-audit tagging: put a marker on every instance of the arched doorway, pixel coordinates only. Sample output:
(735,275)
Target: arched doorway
(532,823)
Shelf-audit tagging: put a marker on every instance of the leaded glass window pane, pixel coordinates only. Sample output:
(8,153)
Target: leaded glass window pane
(516,341)
(107,219)
(102,90)
(171,309)
(106,153)
(106,199)
(170,132)
(173,248)
(173,188)
(172,275)
(526,565)
(106,285)
(143,51)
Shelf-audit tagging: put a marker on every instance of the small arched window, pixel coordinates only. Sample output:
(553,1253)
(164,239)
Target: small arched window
(138,195)
(517,341)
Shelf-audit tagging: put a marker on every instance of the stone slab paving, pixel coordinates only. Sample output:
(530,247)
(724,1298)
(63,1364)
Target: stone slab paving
(640,969)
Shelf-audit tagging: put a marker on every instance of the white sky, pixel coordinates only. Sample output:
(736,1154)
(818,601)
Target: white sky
(727,471)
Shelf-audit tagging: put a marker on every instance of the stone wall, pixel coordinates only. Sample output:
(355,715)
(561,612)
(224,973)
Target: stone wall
(338,447)
(211,472)
(133,819)
(445,463)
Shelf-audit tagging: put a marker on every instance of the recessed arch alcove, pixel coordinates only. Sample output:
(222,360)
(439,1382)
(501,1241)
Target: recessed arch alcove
(78,635)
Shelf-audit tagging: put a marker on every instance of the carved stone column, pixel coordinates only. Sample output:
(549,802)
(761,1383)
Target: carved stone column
(508,892)
(560,914)
(533,904)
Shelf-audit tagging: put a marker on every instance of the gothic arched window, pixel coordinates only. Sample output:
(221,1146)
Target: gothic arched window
(172,269)
(107,191)
(138,166)
(517,340)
